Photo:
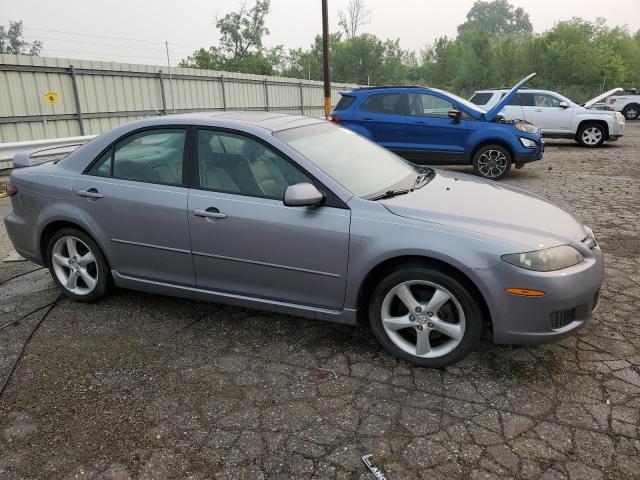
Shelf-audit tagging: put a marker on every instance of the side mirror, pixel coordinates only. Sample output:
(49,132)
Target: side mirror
(455,115)
(563,105)
(302,195)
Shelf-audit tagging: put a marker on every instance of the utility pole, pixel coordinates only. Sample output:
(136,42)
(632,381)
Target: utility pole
(173,101)
(325,59)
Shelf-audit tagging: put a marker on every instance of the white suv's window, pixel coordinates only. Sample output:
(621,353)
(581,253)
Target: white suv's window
(481,98)
(545,100)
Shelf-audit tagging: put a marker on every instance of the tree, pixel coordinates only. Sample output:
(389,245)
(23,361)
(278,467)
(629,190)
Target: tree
(11,41)
(240,47)
(356,16)
(496,17)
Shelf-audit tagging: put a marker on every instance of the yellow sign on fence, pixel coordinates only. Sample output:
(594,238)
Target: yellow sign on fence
(51,97)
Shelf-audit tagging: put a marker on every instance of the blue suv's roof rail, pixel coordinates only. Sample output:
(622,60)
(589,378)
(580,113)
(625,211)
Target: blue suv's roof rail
(386,86)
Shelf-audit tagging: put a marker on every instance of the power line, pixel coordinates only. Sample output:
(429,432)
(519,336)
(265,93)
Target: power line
(103,53)
(160,47)
(92,35)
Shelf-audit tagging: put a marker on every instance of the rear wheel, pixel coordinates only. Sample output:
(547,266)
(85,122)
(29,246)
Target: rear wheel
(631,112)
(591,135)
(77,265)
(492,162)
(425,317)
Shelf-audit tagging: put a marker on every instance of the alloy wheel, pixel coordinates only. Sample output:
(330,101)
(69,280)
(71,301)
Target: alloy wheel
(75,265)
(423,319)
(632,113)
(492,163)
(591,136)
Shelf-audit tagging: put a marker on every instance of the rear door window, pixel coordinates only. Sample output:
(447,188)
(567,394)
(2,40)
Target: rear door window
(523,99)
(150,156)
(481,98)
(386,103)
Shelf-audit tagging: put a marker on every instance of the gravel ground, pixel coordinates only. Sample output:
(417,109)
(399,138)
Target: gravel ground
(143,386)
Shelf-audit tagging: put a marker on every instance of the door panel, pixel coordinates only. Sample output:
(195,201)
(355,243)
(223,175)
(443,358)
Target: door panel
(247,242)
(549,115)
(141,222)
(262,248)
(432,137)
(144,227)
(383,116)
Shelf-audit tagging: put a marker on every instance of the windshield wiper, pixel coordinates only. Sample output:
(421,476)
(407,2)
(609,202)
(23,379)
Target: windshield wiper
(423,178)
(391,193)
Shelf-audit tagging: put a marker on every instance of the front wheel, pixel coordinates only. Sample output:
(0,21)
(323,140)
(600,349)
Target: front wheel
(631,112)
(492,162)
(591,135)
(77,265)
(425,317)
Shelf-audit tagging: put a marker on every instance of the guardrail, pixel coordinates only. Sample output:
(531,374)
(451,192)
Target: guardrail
(9,150)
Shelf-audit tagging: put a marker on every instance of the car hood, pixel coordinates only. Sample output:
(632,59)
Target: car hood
(504,101)
(602,96)
(486,207)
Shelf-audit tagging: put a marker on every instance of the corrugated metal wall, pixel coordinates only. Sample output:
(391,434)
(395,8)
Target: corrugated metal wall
(113,93)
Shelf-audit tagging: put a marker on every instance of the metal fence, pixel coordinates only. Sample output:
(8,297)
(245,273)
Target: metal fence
(92,97)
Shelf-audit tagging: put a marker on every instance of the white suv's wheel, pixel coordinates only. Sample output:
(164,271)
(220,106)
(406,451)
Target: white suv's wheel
(77,265)
(591,135)
(631,112)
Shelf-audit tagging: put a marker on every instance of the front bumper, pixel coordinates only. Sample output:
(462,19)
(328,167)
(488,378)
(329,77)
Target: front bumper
(570,297)
(529,156)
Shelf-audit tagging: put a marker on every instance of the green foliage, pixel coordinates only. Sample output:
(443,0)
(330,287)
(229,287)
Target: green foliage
(497,17)
(11,41)
(240,47)
(576,57)
(494,48)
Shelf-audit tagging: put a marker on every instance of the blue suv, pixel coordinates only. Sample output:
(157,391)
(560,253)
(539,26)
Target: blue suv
(431,126)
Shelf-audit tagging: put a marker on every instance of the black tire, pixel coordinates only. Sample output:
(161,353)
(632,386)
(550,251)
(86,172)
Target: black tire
(631,112)
(591,135)
(492,162)
(99,268)
(473,318)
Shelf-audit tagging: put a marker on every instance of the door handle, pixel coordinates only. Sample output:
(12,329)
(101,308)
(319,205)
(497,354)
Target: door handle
(91,193)
(538,109)
(367,119)
(210,212)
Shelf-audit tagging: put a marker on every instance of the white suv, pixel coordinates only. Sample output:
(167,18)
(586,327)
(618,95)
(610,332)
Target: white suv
(628,103)
(558,116)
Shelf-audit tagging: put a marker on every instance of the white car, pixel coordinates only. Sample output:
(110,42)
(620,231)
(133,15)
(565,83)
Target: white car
(628,103)
(558,116)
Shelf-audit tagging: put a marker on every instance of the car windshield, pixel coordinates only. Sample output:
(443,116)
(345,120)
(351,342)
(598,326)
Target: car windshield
(464,102)
(359,165)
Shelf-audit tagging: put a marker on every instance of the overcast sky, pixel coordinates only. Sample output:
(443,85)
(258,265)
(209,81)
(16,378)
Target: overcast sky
(188,24)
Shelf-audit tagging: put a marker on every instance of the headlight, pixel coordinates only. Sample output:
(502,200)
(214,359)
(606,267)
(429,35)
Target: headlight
(619,118)
(528,142)
(555,258)
(526,127)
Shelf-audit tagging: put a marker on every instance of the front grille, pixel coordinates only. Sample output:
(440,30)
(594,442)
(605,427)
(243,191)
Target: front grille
(561,318)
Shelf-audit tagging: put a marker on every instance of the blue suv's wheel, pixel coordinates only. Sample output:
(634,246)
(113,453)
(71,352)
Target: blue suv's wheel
(492,161)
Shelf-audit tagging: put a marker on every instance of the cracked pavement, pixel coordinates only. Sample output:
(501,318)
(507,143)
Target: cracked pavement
(150,387)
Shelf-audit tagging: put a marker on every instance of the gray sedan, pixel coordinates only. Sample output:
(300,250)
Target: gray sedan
(300,216)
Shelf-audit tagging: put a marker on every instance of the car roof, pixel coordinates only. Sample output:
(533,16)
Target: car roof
(270,121)
(356,91)
(503,90)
